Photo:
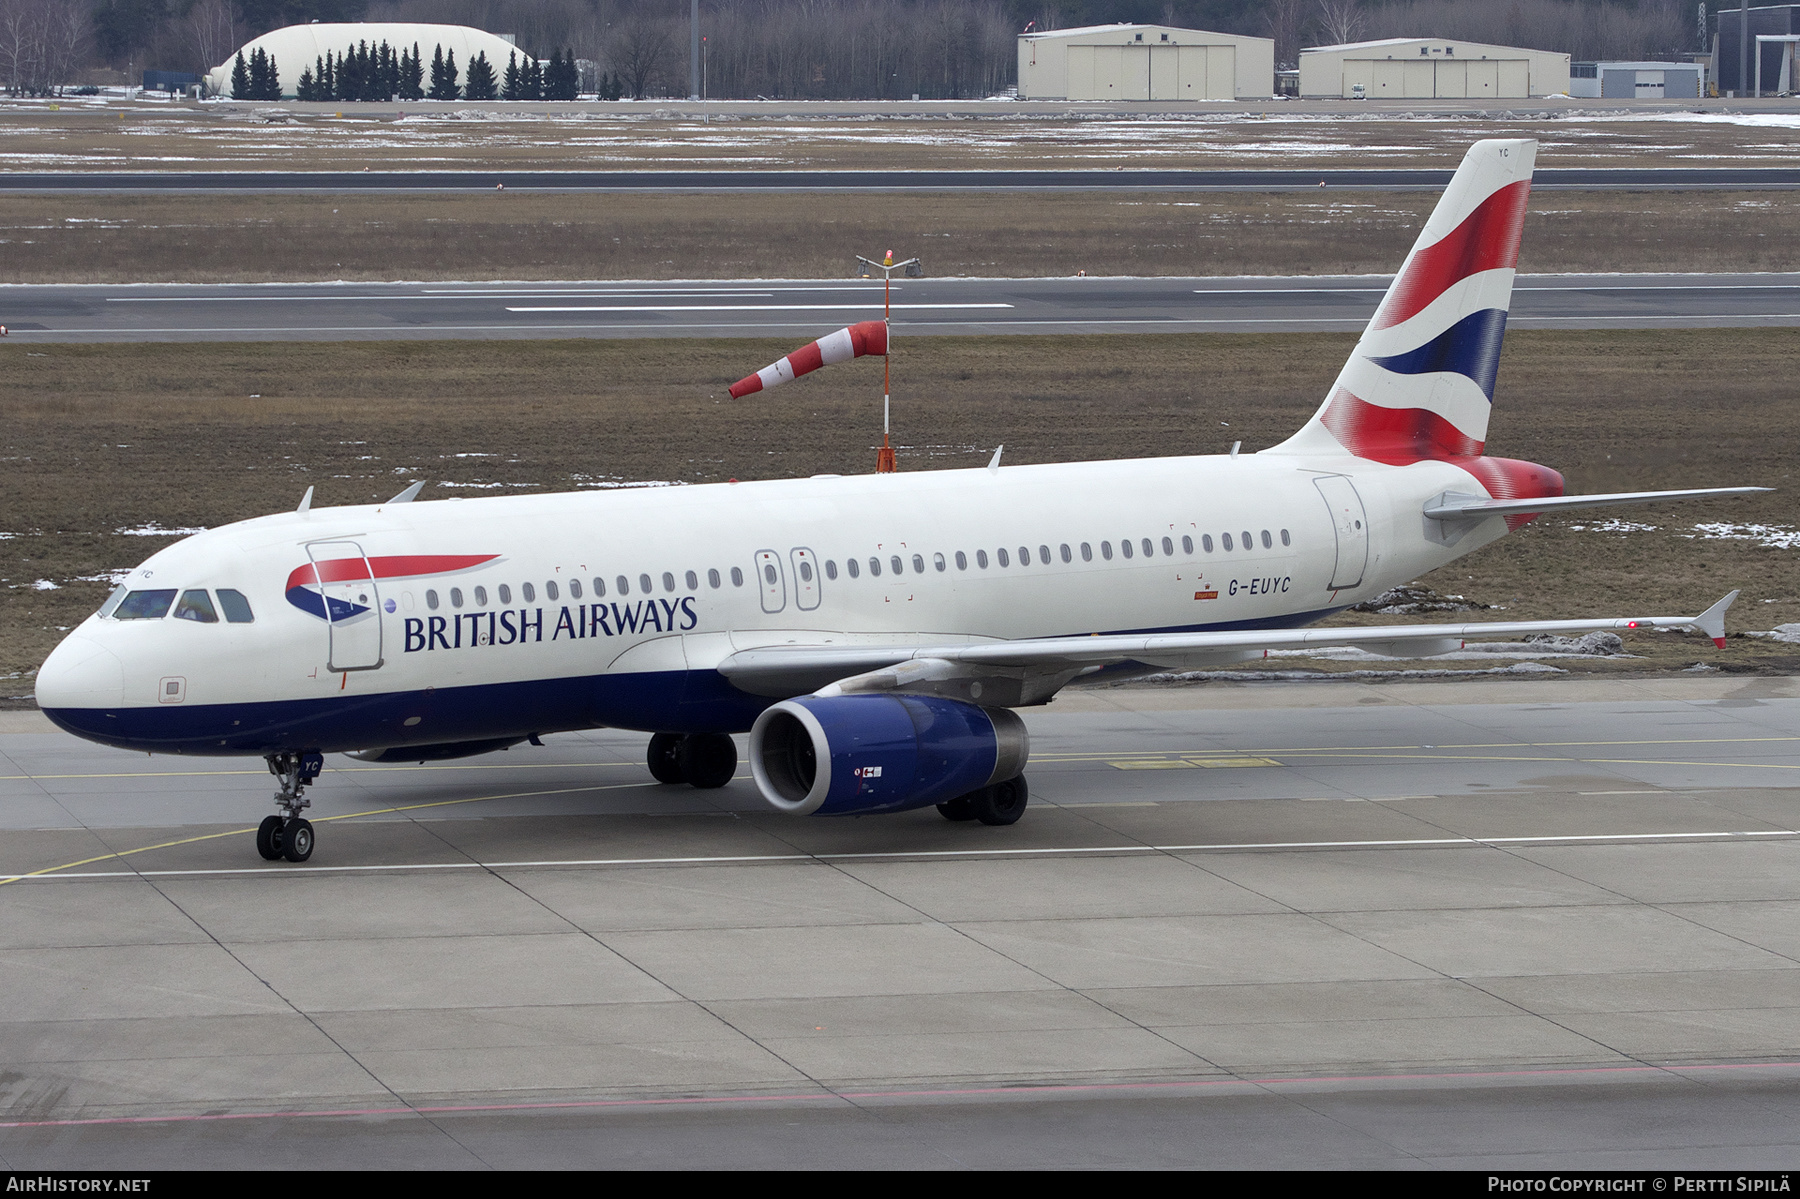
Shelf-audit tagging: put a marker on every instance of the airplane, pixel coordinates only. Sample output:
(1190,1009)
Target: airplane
(872,633)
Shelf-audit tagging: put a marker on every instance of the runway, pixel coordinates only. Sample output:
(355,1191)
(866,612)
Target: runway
(1546,178)
(1494,924)
(756,308)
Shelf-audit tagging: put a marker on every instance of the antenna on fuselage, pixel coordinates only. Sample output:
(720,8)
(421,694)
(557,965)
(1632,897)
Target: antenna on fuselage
(305,501)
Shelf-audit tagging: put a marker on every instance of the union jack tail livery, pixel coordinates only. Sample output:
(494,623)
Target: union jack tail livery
(1420,383)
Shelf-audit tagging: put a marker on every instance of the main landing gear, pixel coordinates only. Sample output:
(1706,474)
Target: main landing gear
(703,760)
(1002,803)
(288,835)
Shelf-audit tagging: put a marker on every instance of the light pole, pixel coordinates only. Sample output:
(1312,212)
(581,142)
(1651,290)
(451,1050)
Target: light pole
(884,457)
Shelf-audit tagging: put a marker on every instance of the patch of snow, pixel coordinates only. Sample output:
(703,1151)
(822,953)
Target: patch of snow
(1774,537)
(155,530)
(1613,525)
(1781,632)
(45,585)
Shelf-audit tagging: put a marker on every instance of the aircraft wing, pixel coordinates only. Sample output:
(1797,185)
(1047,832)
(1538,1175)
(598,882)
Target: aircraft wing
(1030,671)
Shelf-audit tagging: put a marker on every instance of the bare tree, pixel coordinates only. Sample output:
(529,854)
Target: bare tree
(1342,20)
(643,54)
(1284,20)
(41,42)
(215,31)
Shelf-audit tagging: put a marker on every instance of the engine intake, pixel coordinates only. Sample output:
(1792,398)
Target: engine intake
(859,754)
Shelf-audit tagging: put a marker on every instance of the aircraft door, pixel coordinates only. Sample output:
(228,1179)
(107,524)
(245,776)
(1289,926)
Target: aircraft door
(352,605)
(806,579)
(1350,524)
(769,579)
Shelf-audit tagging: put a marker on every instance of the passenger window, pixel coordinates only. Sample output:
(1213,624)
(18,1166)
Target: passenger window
(737,577)
(505,594)
(574,589)
(1066,555)
(1087,552)
(899,566)
(456,597)
(1000,557)
(550,590)
(1187,544)
(481,597)
(145,605)
(918,564)
(668,581)
(805,571)
(1268,542)
(1024,555)
(962,560)
(1206,542)
(851,565)
(712,579)
(769,575)
(1106,550)
(1044,554)
(1285,539)
(831,568)
(624,585)
(237,608)
(693,581)
(600,586)
(875,567)
(431,600)
(1149,548)
(1249,541)
(1125,546)
(196,605)
(525,589)
(937,560)
(981,559)
(1168,547)
(1225,540)
(644,584)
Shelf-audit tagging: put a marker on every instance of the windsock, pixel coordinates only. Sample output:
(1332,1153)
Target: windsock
(868,337)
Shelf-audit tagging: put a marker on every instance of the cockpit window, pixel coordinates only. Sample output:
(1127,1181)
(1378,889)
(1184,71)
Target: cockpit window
(145,605)
(112,601)
(196,605)
(237,608)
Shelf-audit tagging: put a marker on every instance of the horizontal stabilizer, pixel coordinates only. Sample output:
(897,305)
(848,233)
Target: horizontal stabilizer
(1456,506)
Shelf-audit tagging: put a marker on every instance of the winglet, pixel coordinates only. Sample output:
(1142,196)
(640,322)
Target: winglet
(994,463)
(1712,621)
(305,501)
(410,494)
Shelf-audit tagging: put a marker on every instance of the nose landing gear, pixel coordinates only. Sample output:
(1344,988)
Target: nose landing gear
(289,835)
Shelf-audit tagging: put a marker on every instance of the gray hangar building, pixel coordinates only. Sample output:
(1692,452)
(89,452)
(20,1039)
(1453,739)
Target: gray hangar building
(1422,68)
(1144,62)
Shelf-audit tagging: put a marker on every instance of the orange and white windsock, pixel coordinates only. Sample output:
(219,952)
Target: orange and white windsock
(867,337)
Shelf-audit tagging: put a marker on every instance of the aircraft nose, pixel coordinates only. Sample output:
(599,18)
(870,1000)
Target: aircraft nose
(80,673)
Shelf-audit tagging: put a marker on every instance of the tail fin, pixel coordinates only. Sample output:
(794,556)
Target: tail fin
(1420,383)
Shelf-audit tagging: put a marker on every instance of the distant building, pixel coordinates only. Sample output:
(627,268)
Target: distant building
(1409,68)
(1740,77)
(297,47)
(1637,80)
(1144,62)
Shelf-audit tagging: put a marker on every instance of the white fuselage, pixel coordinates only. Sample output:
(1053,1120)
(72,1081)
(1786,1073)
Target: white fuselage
(582,593)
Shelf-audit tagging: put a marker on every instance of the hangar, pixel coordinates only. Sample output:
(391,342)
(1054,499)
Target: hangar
(1417,68)
(1143,62)
(297,47)
(1637,80)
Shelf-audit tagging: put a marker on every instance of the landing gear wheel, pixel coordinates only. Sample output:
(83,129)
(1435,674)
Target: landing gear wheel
(297,840)
(707,760)
(1002,803)
(665,758)
(960,808)
(268,838)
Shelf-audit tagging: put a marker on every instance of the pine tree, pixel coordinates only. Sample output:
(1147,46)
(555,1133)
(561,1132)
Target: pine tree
(271,78)
(328,83)
(390,73)
(240,78)
(412,75)
(532,84)
(509,90)
(478,81)
(303,88)
(443,76)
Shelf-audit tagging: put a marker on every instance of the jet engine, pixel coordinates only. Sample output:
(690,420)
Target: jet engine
(852,755)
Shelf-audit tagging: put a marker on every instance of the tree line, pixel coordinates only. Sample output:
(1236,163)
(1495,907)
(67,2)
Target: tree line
(376,73)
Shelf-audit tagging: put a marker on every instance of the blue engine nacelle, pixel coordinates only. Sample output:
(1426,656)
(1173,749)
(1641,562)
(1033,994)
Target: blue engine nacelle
(856,754)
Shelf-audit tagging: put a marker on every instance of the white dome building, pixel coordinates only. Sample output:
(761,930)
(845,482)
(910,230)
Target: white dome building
(297,47)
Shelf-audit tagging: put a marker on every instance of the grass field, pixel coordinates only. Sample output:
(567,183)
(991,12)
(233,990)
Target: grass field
(270,137)
(101,441)
(513,235)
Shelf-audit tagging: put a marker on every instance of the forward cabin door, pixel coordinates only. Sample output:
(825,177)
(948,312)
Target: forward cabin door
(769,579)
(352,605)
(1350,525)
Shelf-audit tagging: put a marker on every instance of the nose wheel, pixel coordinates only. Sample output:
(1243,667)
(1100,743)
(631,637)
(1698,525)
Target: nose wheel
(289,835)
